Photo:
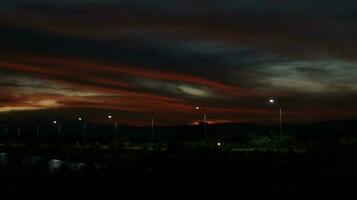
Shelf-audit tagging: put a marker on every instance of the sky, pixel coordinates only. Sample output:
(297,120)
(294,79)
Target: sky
(132,58)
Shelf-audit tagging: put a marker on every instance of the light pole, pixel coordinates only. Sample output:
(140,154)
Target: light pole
(59,130)
(115,127)
(38,133)
(273,101)
(19,133)
(1,127)
(152,126)
(7,135)
(84,129)
(204,120)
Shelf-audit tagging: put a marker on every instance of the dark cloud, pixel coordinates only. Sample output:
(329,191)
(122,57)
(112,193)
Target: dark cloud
(167,56)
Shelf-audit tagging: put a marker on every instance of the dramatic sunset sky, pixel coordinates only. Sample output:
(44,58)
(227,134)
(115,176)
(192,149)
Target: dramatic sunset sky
(129,58)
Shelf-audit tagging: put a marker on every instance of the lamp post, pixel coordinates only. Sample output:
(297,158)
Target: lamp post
(7,134)
(204,120)
(38,133)
(1,127)
(84,129)
(115,127)
(19,133)
(59,130)
(152,126)
(273,101)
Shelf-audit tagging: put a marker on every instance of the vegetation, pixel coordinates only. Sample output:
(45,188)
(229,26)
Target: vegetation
(351,140)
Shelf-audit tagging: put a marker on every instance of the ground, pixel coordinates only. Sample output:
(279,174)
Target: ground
(316,171)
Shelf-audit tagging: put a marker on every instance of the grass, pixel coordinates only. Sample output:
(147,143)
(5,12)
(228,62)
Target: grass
(351,140)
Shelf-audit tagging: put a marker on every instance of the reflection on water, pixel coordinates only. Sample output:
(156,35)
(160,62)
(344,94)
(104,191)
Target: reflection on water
(47,165)
(30,161)
(75,166)
(3,159)
(54,165)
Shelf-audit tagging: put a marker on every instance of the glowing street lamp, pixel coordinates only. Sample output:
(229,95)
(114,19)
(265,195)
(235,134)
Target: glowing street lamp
(115,127)
(59,130)
(204,120)
(84,129)
(273,101)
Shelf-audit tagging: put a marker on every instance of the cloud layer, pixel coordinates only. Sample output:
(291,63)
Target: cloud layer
(132,58)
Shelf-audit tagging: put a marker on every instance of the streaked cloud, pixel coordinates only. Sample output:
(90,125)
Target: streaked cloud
(321,76)
(167,56)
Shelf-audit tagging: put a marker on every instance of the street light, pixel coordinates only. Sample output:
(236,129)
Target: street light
(152,126)
(19,133)
(38,133)
(273,101)
(204,120)
(1,127)
(84,129)
(59,130)
(6,132)
(115,127)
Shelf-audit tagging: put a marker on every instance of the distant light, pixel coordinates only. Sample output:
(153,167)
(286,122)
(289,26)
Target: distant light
(271,101)
(219,144)
(3,158)
(79,118)
(197,107)
(55,164)
(81,165)
(55,122)
(109,116)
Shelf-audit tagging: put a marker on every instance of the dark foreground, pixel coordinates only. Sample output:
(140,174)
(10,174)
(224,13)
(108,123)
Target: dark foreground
(313,173)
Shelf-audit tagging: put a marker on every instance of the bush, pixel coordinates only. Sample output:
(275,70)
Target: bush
(273,141)
(351,140)
(263,142)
